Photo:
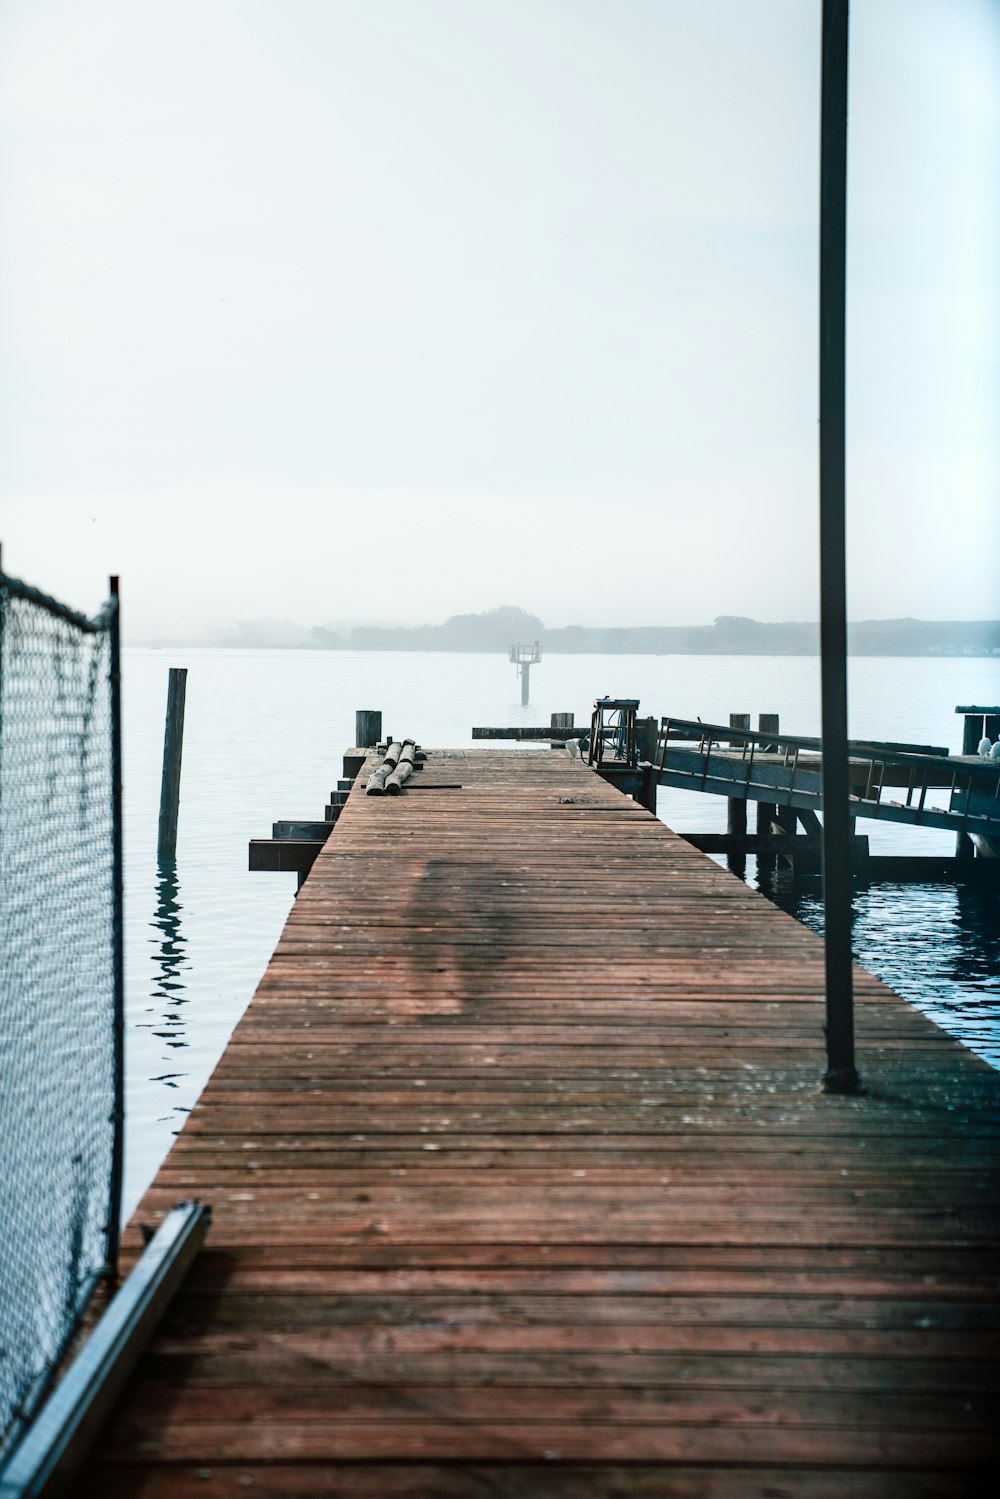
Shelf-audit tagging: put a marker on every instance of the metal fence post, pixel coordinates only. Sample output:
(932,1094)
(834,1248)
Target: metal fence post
(118,935)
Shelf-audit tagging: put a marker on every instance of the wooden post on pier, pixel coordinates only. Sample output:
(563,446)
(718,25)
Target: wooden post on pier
(736,812)
(785,822)
(766,813)
(367,727)
(767,723)
(978,722)
(170,782)
(972,732)
(646,734)
(565,722)
(964,846)
(973,728)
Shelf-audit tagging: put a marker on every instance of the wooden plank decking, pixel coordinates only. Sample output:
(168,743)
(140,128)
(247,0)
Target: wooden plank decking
(523,1185)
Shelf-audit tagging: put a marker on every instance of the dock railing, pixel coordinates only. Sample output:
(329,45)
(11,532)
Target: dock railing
(786,770)
(61,999)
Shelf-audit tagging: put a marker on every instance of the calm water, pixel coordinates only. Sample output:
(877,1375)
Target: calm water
(264,736)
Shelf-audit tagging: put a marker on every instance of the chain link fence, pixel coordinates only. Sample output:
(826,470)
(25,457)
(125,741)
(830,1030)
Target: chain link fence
(60,981)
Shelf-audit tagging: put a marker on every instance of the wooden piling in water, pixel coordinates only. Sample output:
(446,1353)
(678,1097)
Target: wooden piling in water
(977,723)
(766,812)
(768,723)
(646,734)
(564,721)
(170,782)
(367,727)
(972,732)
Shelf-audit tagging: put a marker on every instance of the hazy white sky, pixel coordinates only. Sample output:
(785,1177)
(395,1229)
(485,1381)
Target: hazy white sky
(328,309)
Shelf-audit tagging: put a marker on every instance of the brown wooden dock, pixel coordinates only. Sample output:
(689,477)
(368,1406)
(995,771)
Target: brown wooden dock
(523,1184)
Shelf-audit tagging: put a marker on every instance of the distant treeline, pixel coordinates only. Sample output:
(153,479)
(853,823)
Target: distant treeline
(729,635)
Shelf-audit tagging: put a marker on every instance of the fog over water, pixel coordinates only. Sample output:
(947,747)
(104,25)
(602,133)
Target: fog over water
(317,311)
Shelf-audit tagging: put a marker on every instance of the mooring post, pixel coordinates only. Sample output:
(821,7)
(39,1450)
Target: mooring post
(563,721)
(173,744)
(736,810)
(972,732)
(766,814)
(973,728)
(768,723)
(646,733)
(367,727)
(525,682)
(785,820)
(841,1074)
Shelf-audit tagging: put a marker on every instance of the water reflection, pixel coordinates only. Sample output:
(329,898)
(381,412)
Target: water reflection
(937,945)
(169,962)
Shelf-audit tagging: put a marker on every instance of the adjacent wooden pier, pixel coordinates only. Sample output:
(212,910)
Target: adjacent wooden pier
(524,1185)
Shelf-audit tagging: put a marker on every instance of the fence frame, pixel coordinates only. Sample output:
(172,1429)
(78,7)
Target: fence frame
(106,621)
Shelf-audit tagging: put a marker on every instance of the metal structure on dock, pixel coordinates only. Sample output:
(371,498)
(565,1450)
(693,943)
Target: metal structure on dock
(786,771)
(782,775)
(612,733)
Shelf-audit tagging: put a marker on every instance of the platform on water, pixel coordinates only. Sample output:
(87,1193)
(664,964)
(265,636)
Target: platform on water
(523,1184)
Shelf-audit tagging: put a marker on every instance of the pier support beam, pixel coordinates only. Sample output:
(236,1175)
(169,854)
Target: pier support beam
(766,814)
(975,725)
(767,723)
(785,820)
(964,846)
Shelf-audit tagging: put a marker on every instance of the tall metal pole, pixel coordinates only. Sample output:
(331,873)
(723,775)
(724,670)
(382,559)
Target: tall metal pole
(841,1076)
(118,932)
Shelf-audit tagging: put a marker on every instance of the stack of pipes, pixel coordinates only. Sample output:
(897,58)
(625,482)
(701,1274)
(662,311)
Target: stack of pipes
(395,770)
